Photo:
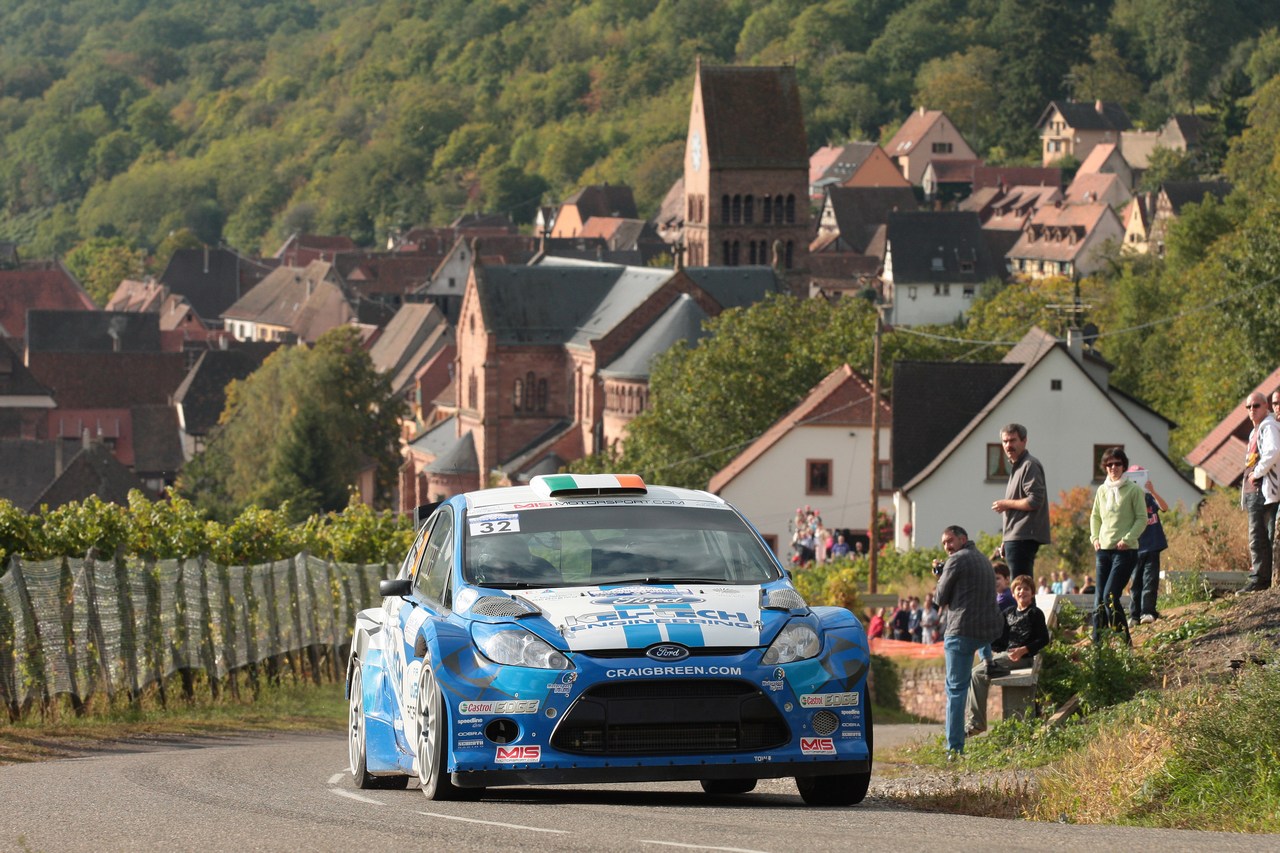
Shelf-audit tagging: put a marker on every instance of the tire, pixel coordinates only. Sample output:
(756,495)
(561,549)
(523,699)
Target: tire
(433,732)
(357,747)
(728,786)
(845,789)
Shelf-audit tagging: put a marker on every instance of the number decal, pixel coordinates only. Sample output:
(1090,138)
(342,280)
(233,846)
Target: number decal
(483,525)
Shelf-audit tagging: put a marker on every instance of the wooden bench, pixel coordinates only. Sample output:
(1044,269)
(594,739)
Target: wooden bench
(1018,688)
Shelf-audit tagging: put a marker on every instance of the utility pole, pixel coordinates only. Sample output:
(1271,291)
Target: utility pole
(873,533)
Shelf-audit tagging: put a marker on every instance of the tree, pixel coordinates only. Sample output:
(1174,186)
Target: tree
(300,429)
(101,263)
(711,400)
(1168,164)
(965,86)
(1106,76)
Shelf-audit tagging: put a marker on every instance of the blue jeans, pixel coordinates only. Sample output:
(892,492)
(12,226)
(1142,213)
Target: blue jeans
(1113,568)
(958,652)
(1020,554)
(1146,583)
(1262,525)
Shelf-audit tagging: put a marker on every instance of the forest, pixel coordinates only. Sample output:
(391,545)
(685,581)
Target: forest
(130,126)
(242,121)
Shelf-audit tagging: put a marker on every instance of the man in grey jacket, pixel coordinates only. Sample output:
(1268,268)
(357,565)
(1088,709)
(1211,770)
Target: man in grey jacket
(1025,505)
(967,589)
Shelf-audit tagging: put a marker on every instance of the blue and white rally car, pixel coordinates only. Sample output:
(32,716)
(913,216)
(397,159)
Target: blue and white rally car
(590,628)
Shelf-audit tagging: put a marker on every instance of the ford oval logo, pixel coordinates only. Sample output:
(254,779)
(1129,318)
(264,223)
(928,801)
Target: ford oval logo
(667,651)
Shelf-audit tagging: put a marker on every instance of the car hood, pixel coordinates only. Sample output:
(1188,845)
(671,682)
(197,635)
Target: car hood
(636,617)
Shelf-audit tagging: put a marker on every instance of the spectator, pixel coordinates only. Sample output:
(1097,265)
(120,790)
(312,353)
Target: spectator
(1146,572)
(902,621)
(967,589)
(1068,584)
(858,550)
(929,621)
(1118,518)
(1025,505)
(802,544)
(1043,588)
(1087,588)
(1004,598)
(875,628)
(821,542)
(839,548)
(913,620)
(1260,490)
(1025,634)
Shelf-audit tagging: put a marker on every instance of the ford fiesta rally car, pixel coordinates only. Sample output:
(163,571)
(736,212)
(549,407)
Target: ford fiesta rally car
(590,628)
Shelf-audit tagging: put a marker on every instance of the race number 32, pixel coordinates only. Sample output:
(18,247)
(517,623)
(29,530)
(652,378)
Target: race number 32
(482,525)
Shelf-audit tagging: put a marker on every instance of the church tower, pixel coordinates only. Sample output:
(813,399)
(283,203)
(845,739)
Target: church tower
(746,171)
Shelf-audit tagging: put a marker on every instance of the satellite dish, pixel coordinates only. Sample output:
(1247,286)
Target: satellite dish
(1090,332)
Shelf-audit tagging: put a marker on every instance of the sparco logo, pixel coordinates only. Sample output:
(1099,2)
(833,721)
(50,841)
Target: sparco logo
(667,651)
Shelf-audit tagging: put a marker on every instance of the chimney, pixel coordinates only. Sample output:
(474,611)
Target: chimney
(1098,106)
(1075,344)
(57,457)
(206,260)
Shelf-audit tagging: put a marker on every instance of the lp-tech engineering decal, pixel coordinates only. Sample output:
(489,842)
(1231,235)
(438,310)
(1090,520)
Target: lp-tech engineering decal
(637,617)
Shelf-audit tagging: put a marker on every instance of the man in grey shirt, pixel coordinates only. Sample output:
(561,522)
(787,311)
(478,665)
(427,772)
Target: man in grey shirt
(967,589)
(1025,504)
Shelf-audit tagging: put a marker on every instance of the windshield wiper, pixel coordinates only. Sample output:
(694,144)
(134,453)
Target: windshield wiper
(512,585)
(661,580)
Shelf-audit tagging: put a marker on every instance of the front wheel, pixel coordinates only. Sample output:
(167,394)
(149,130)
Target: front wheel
(845,789)
(357,745)
(433,729)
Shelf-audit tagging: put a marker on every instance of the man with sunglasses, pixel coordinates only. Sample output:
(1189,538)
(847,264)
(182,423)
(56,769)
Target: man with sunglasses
(1260,489)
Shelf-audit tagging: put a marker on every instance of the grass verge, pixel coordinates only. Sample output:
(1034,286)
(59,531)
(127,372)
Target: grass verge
(283,707)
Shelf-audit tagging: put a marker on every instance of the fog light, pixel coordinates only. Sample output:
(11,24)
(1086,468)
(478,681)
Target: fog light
(502,731)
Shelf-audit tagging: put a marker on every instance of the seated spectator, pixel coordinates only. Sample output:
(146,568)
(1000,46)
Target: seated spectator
(1025,634)
(1043,588)
(1068,584)
(1088,588)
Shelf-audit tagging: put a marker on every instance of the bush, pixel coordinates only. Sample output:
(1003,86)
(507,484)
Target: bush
(1102,674)
(1213,540)
(885,683)
(1071,550)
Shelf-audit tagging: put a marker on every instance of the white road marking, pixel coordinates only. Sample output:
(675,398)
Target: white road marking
(336,778)
(698,846)
(351,795)
(495,823)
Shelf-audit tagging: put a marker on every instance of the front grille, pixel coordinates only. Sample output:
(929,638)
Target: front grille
(694,652)
(670,717)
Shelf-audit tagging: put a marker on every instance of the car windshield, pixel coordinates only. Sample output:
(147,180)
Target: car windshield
(622,543)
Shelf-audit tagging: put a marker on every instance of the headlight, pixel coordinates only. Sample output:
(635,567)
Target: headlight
(517,647)
(795,642)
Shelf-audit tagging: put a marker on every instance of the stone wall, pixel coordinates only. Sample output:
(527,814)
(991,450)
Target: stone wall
(922,691)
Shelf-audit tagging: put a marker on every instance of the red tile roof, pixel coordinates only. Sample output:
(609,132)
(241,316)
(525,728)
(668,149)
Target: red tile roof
(47,286)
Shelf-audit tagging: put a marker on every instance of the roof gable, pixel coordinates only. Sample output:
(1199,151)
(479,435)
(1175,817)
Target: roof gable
(213,279)
(842,398)
(42,286)
(1099,115)
(753,117)
(932,246)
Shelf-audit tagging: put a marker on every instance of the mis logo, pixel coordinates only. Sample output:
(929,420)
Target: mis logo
(518,754)
(666,652)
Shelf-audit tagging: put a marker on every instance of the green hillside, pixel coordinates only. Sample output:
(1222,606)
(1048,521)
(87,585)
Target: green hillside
(244,120)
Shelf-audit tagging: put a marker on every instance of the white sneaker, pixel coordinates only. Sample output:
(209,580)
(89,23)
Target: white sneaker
(1147,619)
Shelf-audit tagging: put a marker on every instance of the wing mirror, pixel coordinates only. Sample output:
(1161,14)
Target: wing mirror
(397,588)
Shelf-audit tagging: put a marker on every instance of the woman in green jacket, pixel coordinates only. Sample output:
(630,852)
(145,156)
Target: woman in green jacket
(1118,519)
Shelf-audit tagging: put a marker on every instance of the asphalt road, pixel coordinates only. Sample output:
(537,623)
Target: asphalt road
(293,793)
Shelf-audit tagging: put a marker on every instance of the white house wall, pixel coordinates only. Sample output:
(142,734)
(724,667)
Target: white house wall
(1062,429)
(773,486)
(929,304)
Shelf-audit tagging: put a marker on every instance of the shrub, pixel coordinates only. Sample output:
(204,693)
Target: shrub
(1071,549)
(1215,539)
(1102,674)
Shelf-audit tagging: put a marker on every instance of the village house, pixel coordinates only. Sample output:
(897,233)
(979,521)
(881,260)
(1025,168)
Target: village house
(854,164)
(818,454)
(934,263)
(926,136)
(1058,390)
(1218,460)
(1172,197)
(1065,240)
(1072,129)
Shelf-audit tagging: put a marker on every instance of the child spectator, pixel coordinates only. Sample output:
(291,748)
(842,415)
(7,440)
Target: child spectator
(1025,634)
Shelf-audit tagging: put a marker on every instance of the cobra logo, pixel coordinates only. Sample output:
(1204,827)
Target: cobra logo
(667,651)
